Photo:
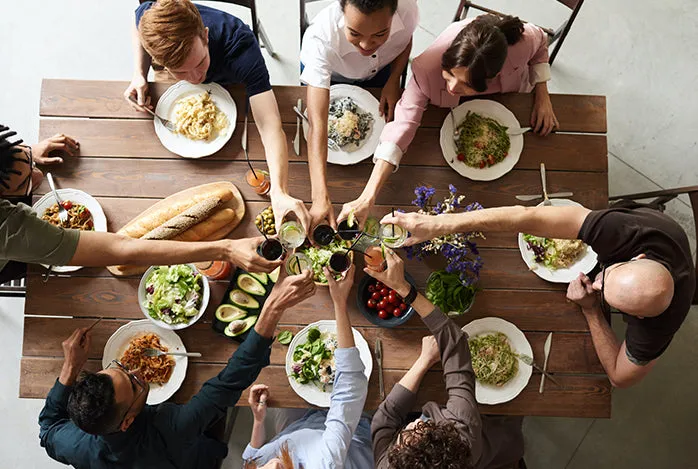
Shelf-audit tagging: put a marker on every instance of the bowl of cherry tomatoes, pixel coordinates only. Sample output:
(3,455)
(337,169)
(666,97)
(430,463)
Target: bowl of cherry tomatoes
(381,305)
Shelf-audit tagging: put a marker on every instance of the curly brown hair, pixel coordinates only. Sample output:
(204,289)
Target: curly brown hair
(429,445)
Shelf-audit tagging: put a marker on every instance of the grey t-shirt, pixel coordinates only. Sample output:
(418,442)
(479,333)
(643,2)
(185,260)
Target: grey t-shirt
(24,237)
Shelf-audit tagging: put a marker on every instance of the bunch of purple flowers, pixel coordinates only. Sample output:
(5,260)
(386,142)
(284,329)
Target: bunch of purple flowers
(459,249)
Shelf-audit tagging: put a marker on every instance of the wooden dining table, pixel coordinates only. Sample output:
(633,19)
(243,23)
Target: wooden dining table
(126,168)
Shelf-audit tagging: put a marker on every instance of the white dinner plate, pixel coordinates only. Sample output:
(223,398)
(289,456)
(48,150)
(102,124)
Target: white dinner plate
(367,103)
(485,108)
(310,392)
(181,145)
(118,343)
(491,394)
(78,197)
(585,263)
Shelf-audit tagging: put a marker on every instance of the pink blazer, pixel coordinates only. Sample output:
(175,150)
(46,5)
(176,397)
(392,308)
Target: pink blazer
(526,64)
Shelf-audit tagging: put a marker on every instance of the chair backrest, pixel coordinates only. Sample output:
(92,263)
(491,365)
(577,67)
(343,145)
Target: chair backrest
(304,21)
(693,196)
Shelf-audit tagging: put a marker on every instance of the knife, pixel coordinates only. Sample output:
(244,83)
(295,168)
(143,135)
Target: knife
(528,198)
(297,138)
(546,352)
(519,131)
(379,359)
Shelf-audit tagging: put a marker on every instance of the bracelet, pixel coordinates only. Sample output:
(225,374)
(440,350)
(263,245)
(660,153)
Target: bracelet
(411,296)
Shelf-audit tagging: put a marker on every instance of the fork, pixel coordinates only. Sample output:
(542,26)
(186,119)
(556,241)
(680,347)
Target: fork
(330,142)
(151,352)
(62,212)
(546,200)
(529,361)
(168,124)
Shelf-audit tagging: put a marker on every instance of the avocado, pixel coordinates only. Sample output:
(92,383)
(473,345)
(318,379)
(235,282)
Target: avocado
(229,313)
(262,277)
(251,285)
(243,300)
(274,276)
(240,326)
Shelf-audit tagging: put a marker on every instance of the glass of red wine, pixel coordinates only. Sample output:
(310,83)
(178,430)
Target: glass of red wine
(323,234)
(339,262)
(271,249)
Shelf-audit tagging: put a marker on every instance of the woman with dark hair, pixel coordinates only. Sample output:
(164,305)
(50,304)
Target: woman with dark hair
(485,55)
(446,436)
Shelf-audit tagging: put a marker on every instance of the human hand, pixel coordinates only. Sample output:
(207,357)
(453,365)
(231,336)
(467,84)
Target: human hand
(291,290)
(138,90)
(259,393)
(394,274)
(339,289)
(543,118)
(389,98)
(320,211)
(430,354)
(420,226)
(45,152)
(243,253)
(581,292)
(75,349)
(282,204)
(361,209)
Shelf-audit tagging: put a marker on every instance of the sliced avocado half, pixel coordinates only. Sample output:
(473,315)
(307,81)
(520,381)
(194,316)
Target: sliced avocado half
(229,313)
(243,300)
(274,276)
(262,277)
(251,285)
(240,326)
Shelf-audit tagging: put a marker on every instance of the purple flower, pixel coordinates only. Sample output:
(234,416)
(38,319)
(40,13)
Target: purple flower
(452,189)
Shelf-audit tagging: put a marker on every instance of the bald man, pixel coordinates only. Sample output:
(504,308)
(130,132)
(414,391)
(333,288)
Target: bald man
(647,273)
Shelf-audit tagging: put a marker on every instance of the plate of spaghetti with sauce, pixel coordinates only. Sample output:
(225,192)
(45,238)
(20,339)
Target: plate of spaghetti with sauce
(164,374)
(203,115)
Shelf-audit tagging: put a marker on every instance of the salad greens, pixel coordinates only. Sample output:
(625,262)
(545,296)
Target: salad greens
(284,337)
(313,361)
(173,293)
(320,257)
(447,292)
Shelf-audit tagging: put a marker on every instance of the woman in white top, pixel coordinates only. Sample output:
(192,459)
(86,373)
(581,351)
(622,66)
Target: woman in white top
(360,42)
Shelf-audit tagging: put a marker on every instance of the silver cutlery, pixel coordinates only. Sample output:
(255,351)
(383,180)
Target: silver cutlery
(330,142)
(528,198)
(167,123)
(522,130)
(529,361)
(546,199)
(62,212)
(297,138)
(456,132)
(151,352)
(84,336)
(379,359)
(546,352)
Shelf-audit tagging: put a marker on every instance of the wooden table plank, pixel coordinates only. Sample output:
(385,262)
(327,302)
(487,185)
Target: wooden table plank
(100,99)
(156,179)
(43,337)
(580,396)
(107,297)
(135,138)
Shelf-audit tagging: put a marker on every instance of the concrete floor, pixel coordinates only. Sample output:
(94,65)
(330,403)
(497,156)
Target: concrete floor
(642,57)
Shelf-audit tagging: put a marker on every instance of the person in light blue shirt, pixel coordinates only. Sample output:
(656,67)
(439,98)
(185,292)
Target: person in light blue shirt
(336,438)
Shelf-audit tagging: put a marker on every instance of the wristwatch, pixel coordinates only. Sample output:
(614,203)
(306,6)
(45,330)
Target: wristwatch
(411,296)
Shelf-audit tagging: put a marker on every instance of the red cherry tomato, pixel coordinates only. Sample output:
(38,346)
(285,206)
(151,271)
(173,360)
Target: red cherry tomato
(379,285)
(67,205)
(403,307)
(397,312)
(383,314)
(392,298)
(376,296)
(461,156)
(482,164)
(382,304)
(371,288)
(385,292)
(371,304)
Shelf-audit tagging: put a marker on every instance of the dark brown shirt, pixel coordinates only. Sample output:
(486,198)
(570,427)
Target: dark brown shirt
(495,442)
(618,235)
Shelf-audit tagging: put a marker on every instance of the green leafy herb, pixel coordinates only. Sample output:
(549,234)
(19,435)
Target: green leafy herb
(447,292)
(284,337)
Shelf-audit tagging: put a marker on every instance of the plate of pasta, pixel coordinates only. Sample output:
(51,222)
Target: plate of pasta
(164,374)
(480,148)
(84,213)
(203,115)
(354,123)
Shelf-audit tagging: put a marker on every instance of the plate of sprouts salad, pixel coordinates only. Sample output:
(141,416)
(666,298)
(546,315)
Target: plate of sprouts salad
(495,346)
(310,363)
(353,123)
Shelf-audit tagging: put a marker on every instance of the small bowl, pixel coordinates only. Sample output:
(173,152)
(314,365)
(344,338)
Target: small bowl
(258,229)
(205,292)
(362,296)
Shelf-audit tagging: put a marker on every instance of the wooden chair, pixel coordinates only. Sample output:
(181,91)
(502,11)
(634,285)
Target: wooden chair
(659,202)
(558,35)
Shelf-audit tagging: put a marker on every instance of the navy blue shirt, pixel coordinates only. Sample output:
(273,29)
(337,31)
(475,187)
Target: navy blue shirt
(235,54)
(166,436)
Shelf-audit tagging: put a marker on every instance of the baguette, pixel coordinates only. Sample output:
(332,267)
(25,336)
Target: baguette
(208,227)
(184,220)
(149,222)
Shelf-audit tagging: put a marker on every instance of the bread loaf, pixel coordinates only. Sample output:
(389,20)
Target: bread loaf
(184,220)
(208,227)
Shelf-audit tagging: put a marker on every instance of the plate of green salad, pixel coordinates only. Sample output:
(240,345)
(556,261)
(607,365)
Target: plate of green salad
(310,364)
(495,345)
(173,296)
(320,257)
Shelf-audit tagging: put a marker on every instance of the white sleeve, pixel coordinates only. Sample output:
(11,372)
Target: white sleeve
(317,71)
(389,152)
(539,73)
(411,16)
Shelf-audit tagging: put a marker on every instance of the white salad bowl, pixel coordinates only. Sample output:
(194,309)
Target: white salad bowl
(205,296)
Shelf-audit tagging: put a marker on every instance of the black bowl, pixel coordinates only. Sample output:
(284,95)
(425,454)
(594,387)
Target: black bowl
(362,296)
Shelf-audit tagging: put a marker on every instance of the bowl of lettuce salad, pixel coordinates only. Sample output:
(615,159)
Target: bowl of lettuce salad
(173,296)
(320,257)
